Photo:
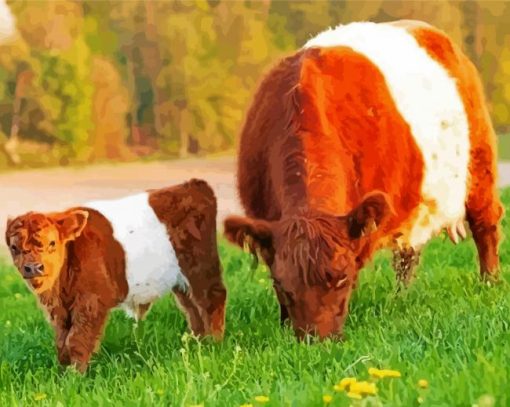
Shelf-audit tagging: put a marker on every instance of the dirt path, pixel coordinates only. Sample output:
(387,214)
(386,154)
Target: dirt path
(59,188)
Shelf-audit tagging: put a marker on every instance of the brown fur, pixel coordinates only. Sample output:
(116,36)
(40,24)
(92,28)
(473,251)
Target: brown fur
(191,225)
(84,266)
(483,206)
(322,138)
(87,281)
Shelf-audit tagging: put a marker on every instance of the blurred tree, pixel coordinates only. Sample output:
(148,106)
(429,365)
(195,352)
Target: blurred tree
(105,79)
(13,67)
(109,108)
(472,29)
(494,59)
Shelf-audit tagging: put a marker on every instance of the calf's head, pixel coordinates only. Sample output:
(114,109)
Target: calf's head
(37,243)
(314,259)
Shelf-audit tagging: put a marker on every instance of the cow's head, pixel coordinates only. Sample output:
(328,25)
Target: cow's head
(314,259)
(37,243)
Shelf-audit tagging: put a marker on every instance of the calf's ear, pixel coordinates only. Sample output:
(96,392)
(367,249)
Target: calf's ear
(71,223)
(7,226)
(374,209)
(255,234)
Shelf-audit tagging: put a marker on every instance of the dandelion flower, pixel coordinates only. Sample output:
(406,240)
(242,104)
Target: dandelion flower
(338,388)
(363,388)
(327,399)
(345,383)
(353,395)
(372,371)
(391,373)
(423,383)
(39,396)
(382,373)
(246,405)
(261,399)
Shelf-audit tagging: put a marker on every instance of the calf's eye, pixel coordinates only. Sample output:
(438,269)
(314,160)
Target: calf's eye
(52,243)
(14,248)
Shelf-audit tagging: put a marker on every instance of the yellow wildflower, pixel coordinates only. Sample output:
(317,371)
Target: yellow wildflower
(391,373)
(39,396)
(345,383)
(363,388)
(354,395)
(372,371)
(423,383)
(246,405)
(262,399)
(327,399)
(382,373)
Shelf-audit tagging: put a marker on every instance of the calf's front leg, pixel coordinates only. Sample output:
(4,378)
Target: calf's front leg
(83,338)
(60,320)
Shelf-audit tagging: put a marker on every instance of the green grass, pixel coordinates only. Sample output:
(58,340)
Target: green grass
(447,328)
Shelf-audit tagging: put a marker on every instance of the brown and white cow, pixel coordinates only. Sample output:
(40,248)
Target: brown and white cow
(85,261)
(372,135)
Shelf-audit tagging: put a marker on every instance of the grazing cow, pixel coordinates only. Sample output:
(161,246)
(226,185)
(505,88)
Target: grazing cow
(129,252)
(371,135)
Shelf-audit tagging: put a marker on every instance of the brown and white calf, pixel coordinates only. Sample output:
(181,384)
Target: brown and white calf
(85,261)
(367,125)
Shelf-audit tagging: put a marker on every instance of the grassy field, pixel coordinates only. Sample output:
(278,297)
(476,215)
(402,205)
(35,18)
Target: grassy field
(446,328)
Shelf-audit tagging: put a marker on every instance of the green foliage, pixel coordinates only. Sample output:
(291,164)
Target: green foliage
(189,68)
(66,94)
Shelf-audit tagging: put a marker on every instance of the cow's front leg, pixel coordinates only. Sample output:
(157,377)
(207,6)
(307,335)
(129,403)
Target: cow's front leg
(284,312)
(405,260)
(83,338)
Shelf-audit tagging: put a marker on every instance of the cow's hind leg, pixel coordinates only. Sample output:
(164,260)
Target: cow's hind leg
(191,311)
(210,301)
(484,211)
(483,207)
(405,260)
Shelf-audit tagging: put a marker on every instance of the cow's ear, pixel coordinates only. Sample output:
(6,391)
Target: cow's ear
(71,223)
(254,234)
(374,209)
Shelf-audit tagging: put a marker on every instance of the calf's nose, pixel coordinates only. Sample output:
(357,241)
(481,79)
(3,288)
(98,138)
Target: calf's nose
(33,269)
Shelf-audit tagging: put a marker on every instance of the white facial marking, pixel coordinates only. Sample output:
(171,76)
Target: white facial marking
(152,269)
(429,101)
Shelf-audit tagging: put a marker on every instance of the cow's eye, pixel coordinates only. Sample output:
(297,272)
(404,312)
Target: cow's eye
(52,244)
(14,249)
